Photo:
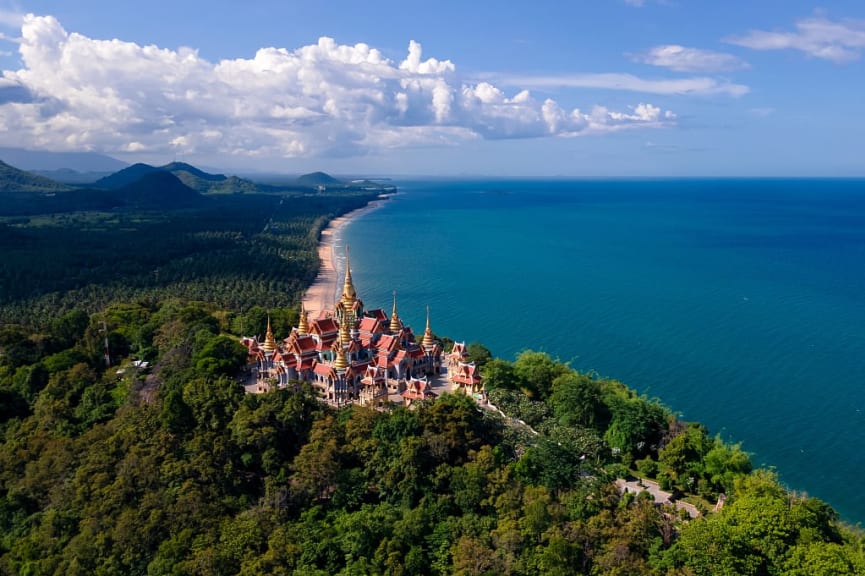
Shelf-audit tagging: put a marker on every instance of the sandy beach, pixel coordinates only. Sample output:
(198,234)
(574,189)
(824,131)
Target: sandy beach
(323,293)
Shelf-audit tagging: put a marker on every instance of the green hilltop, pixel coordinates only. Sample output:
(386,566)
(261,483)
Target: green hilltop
(13,180)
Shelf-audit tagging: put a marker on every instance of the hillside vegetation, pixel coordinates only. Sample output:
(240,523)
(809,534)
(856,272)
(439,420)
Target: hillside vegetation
(13,180)
(174,470)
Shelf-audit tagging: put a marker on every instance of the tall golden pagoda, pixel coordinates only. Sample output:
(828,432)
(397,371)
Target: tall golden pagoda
(395,322)
(349,304)
(428,341)
(269,341)
(303,323)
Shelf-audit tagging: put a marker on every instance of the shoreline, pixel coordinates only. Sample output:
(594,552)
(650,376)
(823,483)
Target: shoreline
(324,291)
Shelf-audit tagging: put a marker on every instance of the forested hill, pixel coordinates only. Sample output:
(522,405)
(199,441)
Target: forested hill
(13,180)
(160,190)
(172,469)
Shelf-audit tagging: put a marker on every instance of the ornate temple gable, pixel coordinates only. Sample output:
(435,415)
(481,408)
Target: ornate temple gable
(373,375)
(417,389)
(459,352)
(467,373)
(387,343)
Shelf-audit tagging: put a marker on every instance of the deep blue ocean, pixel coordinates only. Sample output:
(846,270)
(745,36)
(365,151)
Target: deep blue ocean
(738,303)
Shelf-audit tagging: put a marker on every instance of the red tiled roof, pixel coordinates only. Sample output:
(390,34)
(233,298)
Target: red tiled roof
(323,369)
(370,325)
(386,342)
(378,314)
(323,326)
(306,343)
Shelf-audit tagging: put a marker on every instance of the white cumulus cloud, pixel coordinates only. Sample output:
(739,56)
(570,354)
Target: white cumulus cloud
(819,37)
(76,92)
(684,59)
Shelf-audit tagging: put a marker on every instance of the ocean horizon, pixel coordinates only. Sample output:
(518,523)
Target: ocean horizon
(738,303)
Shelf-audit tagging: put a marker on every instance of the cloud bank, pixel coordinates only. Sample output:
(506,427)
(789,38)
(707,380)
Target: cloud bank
(325,99)
(818,37)
(684,59)
(694,86)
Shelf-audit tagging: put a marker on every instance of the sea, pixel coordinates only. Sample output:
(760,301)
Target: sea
(738,303)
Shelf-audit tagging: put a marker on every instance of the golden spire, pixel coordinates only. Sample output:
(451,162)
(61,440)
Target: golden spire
(344,332)
(428,341)
(395,324)
(303,325)
(341,362)
(349,295)
(269,341)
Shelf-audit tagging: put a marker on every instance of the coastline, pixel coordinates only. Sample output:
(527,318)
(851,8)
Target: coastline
(324,291)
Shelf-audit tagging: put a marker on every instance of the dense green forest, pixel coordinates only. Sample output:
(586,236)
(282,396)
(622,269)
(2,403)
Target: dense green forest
(174,470)
(233,250)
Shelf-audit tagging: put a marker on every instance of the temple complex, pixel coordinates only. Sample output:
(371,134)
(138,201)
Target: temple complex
(353,355)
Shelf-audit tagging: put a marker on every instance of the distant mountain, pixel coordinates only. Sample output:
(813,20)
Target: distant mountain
(159,189)
(316,179)
(125,177)
(14,180)
(191,176)
(175,167)
(70,176)
(42,160)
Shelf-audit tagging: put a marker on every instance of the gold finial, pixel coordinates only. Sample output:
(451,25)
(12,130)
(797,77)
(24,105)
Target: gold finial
(428,340)
(395,324)
(303,324)
(341,362)
(349,295)
(269,341)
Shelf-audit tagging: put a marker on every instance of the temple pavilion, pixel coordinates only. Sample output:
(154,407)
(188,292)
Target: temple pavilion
(353,355)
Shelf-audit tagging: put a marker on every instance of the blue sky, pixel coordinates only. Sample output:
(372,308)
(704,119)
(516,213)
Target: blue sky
(544,88)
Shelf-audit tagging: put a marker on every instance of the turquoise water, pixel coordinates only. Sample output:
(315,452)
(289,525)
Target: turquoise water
(738,303)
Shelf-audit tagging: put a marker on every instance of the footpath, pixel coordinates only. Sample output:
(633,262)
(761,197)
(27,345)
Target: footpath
(660,496)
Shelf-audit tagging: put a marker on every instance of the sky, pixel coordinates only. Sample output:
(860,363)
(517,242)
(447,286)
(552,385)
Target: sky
(549,88)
